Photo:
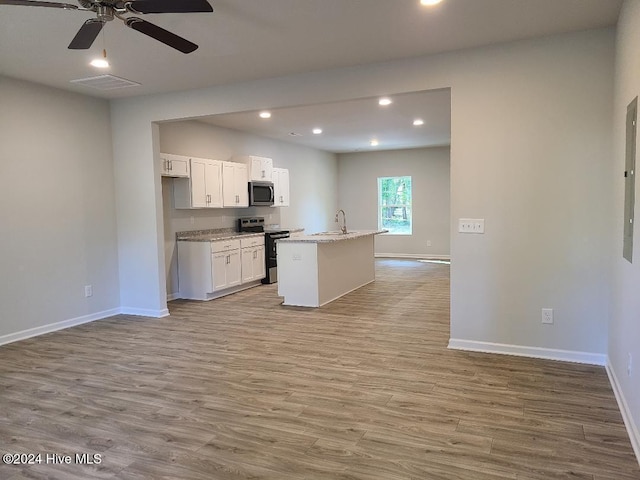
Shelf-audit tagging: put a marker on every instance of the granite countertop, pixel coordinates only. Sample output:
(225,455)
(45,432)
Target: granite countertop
(213,235)
(334,236)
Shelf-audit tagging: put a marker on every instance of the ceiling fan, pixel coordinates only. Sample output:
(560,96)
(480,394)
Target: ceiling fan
(107,10)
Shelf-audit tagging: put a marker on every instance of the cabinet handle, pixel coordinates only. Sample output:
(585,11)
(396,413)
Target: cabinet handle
(255,254)
(208,198)
(170,165)
(165,165)
(263,174)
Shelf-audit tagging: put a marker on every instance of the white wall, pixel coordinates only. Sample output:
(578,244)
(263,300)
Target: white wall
(57,214)
(531,143)
(624,329)
(313,179)
(429,168)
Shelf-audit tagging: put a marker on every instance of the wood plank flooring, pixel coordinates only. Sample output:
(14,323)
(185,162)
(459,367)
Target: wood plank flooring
(363,388)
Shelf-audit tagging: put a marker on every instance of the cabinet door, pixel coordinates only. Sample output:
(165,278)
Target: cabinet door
(266,169)
(214,184)
(174,165)
(259,267)
(242,185)
(164,165)
(246,256)
(234,185)
(219,270)
(234,268)
(198,184)
(179,167)
(281,187)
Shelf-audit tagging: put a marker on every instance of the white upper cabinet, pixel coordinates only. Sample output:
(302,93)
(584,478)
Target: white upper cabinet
(235,190)
(281,187)
(174,165)
(204,187)
(260,168)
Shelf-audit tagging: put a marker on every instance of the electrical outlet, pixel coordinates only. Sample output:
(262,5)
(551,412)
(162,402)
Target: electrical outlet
(547,316)
(88,291)
(428,243)
(630,365)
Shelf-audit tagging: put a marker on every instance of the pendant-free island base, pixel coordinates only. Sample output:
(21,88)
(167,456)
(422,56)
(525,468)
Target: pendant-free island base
(314,270)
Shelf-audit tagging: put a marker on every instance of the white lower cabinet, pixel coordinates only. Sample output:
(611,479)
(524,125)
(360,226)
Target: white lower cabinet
(253,267)
(207,270)
(226,270)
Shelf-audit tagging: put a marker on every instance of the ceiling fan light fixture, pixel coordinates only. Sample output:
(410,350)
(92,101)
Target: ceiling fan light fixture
(100,62)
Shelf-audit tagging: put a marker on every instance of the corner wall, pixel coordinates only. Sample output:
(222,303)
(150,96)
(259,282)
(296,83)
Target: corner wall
(624,328)
(58,224)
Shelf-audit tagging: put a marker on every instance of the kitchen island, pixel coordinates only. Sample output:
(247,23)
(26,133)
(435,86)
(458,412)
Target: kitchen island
(314,270)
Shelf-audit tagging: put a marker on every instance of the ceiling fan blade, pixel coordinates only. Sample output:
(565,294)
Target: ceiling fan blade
(160,34)
(169,6)
(34,3)
(86,35)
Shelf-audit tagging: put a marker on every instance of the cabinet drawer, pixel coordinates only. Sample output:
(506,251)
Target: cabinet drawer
(251,242)
(224,245)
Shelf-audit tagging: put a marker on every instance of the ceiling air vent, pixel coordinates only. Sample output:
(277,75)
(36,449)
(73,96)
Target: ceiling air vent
(105,82)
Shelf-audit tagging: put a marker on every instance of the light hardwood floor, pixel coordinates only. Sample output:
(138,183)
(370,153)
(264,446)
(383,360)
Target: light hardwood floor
(363,388)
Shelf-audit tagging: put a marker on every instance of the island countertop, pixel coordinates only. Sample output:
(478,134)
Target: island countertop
(333,236)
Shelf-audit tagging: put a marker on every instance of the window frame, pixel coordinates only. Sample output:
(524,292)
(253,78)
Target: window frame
(407,205)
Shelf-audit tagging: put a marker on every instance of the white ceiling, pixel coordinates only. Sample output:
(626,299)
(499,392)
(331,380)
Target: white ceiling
(251,39)
(350,126)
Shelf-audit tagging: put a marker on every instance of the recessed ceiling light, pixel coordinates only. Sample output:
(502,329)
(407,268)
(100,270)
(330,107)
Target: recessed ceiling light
(418,121)
(265,114)
(374,143)
(317,131)
(429,3)
(384,101)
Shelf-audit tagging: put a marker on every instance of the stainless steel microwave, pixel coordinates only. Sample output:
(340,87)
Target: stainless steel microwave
(261,193)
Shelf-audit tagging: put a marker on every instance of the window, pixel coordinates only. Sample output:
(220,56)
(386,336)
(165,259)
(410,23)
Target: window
(394,205)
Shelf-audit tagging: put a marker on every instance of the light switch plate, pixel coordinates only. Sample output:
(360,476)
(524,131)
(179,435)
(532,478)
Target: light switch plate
(471,225)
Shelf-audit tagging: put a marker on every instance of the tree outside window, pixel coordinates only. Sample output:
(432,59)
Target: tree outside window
(394,205)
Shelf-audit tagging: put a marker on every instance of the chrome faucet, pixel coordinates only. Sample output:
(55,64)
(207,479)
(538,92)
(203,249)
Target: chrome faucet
(343,228)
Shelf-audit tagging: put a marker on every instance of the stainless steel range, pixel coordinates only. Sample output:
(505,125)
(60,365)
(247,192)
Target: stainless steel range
(271,236)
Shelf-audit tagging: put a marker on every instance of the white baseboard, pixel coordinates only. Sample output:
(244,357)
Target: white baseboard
(415,256)
(534,352)
(144,312)
(72,322)
(632,428)
(52,327)
(173,296)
